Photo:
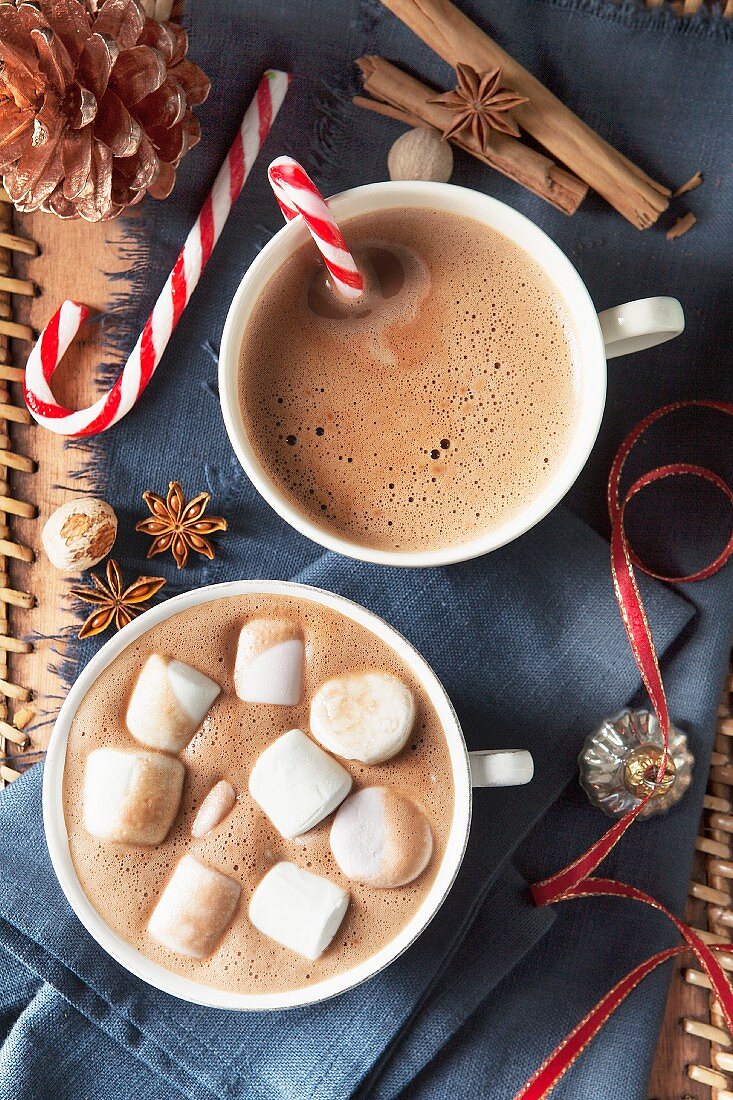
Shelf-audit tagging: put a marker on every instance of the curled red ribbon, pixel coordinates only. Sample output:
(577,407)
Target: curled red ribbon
(574,881)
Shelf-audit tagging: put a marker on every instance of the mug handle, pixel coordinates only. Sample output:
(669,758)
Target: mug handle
(642,324)
(501,767)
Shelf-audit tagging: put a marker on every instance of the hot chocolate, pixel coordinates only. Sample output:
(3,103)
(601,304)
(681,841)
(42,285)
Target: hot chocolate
(257,793)
(430,411)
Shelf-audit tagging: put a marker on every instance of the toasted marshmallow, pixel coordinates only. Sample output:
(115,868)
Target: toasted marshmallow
(194,909)
(298,909)
(365,716)
(297,784)
(269,662)
(168,704)
(381,838)
(214,808)
(131,797)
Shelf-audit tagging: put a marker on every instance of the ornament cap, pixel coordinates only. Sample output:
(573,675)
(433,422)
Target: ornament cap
(641,771)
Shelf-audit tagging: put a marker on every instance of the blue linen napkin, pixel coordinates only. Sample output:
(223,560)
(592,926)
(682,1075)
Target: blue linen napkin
(537,656)
(528,641)
(593,943)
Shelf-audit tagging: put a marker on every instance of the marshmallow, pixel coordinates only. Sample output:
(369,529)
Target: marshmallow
(131,797)
(365,716)
(298,909)
(194,909)
(269,662)
(214,808)
(297,784)
(381,838)
(168,704)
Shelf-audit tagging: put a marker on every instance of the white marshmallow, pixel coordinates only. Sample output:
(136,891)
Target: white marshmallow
(269,662)
(214,808)
(168,704)
(131,797)
(298,909)
(381,838)
(297,784)
(194,909)
(365,716)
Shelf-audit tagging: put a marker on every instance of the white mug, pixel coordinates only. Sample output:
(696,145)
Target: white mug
(618,331)
(491,768)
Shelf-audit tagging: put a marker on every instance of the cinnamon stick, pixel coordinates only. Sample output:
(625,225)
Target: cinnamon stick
(403,97)
(388,111)
(453,36)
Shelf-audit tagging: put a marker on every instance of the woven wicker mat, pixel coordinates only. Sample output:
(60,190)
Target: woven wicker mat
(45,471)
(695,1054)
(38,269)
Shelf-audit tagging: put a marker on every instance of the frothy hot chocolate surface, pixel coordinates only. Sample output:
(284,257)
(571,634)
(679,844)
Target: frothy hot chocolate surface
(429,412)
(124,882)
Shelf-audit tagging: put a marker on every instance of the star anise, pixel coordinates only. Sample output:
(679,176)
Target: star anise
(178,526)
(479,105)
(115,601)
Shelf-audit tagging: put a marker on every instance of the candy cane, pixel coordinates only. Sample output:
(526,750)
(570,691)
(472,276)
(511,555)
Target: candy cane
(296,193)
(174,297)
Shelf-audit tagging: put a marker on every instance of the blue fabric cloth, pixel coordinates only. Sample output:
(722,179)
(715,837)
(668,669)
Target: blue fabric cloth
(528,641)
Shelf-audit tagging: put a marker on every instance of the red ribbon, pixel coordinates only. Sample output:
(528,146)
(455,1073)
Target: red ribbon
(573,881)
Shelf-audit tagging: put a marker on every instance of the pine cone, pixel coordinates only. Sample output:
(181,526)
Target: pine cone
(95,102)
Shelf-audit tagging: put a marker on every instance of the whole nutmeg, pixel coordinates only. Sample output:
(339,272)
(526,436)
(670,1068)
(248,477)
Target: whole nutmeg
(79,534)
(420,155)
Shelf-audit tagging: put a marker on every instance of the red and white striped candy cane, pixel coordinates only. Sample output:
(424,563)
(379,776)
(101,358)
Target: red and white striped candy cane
(296,193)
(180,285)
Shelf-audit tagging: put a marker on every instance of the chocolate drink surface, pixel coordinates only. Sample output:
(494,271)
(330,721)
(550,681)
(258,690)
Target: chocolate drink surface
(431,411)
(125,881)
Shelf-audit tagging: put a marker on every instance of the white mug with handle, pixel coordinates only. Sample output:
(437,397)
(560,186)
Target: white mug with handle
(488,768)
(619,331)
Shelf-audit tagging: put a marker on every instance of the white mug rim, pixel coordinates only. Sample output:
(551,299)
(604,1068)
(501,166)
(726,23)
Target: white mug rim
(185,988)
(512,224)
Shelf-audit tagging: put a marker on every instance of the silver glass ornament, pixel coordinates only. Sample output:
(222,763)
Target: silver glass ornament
(619,763)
